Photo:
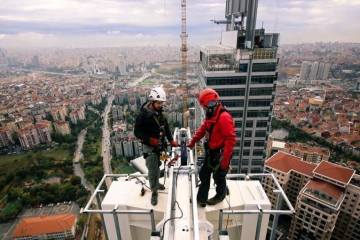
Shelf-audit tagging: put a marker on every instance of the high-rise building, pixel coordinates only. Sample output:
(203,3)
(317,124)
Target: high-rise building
(243,70)
(5,137)
(325,196)
(305,70)
(314,71)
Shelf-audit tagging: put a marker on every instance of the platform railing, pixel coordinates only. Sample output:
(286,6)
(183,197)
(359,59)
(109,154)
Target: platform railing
(259,211)
(115,212)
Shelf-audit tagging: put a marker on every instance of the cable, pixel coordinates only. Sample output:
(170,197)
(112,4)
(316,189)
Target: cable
(169,219)
(182,214)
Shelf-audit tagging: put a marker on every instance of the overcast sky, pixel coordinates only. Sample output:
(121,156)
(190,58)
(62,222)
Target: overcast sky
(108,23)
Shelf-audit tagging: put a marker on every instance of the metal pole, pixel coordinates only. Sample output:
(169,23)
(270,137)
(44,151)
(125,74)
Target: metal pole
(258,224)
(102,216)
(220,219)
(116,222)
(194,205)
(152,220)
(275,220)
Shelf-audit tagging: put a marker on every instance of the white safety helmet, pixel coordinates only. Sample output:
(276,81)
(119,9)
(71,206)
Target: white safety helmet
(157,94)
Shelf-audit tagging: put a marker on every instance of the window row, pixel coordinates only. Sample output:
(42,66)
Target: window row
(263,79)
(226,80)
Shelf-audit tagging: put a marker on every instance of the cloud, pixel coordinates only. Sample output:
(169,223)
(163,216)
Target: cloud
(296,20)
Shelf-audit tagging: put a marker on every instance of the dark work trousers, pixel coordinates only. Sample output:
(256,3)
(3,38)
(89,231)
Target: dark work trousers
(211,166)
(152,159)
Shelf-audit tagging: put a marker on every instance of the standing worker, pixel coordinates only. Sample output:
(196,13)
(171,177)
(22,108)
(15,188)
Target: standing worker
(151,127)
(220,140)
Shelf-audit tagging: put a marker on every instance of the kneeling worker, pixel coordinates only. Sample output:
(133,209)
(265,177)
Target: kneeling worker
(151,127)
(220,140)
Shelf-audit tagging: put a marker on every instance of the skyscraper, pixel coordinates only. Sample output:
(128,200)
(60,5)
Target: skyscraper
(305,70)
(243,70)
(314,71)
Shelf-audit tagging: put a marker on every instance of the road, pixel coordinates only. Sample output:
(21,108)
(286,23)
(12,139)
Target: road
(78,171)
(140,79)
(105,144)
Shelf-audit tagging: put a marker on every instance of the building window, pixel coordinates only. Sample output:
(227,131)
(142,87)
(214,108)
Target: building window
(261,123)
(225,80)
(249,124)
(264,67)
(257,162)
(231,92)
(258,113)
(238,133)
(259,143)
(259,91)
(263,79)
(259,103)
(236,113)
(243,67)
(247,143)
(246,152)
(260,133)
(258,152)
(248,133)
(238,124)
(233,103)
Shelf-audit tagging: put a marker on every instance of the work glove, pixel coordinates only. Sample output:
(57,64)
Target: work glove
(154,142)
(191,144)
(174,144)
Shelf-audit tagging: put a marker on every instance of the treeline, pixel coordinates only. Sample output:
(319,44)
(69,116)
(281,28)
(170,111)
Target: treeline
(20,197)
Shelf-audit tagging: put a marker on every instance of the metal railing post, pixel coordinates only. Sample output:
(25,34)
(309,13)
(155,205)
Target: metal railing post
(259,222)
(152,219)
(102,216)
(116,222)
(220,219)
(275,220)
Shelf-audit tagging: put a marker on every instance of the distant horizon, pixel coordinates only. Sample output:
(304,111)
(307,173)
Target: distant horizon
(160,46)
(114,23)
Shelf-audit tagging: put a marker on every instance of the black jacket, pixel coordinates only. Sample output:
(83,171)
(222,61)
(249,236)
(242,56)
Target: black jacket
(151,123)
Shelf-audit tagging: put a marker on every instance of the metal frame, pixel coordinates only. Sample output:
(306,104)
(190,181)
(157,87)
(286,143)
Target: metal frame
(115,211)
(190,171)
(260,212)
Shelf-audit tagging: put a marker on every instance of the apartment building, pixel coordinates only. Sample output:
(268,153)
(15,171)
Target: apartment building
(62,127)
(325,196)
(5,137)
(28,137)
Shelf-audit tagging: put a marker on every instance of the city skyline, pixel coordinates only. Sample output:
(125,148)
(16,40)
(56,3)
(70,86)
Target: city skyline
(111,23)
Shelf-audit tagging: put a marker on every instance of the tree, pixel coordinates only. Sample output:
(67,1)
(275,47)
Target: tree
(75,180)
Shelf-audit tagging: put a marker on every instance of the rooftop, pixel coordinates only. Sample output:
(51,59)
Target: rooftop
(35,226)
(324,187)
(334,172)
(285,162)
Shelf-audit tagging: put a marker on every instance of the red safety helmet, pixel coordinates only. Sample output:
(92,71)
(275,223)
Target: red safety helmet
(207,95)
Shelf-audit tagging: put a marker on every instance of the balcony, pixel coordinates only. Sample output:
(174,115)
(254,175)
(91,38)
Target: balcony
(265,53)
(218,58)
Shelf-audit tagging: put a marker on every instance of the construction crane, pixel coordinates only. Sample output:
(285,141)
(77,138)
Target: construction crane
(183,50)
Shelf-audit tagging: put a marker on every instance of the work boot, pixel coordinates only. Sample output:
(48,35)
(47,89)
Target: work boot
(154,198)
(161,187)
(202,203)
(214,200)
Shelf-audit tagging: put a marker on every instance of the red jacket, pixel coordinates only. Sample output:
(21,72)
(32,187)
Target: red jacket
(222,136)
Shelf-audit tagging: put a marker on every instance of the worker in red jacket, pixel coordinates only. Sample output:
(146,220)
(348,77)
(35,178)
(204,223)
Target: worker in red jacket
(218,127)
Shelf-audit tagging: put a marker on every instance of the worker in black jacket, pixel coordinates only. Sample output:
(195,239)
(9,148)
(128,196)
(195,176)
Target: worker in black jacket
(151,127)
